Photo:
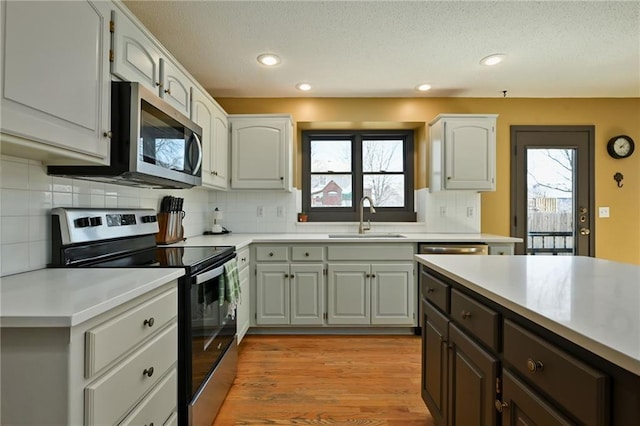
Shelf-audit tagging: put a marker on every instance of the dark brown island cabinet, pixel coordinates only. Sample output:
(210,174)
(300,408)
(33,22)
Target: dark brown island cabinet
(484,365)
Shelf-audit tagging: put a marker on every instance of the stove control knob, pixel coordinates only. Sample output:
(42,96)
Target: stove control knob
(95,221)
(148,219)
(81,222)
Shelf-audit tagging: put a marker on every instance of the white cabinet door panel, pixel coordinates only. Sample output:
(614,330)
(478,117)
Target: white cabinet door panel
(272,298)
(392,294)
(55,74)
(307,294)
(176,87)
(349,294)
(136,58)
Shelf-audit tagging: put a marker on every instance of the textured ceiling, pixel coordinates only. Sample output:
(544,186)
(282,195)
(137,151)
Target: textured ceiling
(386,48)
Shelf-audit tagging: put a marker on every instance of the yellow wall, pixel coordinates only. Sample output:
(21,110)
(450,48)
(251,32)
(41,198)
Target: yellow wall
(617,238)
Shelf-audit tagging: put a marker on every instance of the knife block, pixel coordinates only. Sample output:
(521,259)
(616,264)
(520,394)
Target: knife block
(170,227)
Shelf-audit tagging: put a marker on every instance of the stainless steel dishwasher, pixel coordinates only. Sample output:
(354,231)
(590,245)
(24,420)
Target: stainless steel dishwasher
(453,248)
(446,248)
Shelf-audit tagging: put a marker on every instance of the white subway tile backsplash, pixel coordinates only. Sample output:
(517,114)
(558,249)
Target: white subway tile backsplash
(14,175)
(15,258)
(15,229)
(27,195)
(14,202)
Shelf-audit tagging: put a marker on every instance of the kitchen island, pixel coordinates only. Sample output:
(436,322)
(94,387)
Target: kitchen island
(538,339)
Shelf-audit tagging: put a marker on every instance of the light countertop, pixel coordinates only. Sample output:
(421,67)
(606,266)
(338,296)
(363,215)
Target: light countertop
(65,297)
(242,240)
(594,303)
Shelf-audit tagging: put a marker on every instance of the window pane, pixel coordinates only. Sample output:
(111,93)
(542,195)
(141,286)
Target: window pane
(385,190)
(330,156)
(331,191)
(382,156)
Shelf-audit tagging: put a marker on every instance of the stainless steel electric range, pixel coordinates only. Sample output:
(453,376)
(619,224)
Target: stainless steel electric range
(125,238)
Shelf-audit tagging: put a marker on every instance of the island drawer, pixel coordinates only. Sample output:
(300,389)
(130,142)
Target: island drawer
(272,253)
(476,318)
(582,390)
(435,291)
(111,339)
(307,253)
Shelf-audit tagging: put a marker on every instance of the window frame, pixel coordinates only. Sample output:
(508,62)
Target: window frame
(352,214)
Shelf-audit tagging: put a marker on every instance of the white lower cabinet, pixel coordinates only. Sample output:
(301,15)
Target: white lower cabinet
(501,249)
(133,383)
(243,310)
(355,292)
(289,294)
(371,294)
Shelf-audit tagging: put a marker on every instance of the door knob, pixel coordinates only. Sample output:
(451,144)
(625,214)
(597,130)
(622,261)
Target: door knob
(585,231)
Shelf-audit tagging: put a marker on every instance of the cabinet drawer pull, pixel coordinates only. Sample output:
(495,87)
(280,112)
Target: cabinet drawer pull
(465,314)
(430,290)
(148,372)
(149,322)
(150,424)
(500,406)
(306,254)
(271,254)
(533,365)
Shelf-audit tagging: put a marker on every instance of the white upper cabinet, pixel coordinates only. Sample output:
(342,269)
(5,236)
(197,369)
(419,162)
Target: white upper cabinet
(137,57)
(261,150)
(215,139)
(55,81)
(463,152)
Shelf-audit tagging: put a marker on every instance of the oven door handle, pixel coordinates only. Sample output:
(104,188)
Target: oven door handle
(206,276)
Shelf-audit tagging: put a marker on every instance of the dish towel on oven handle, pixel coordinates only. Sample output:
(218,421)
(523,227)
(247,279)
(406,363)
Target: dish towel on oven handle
(230,287)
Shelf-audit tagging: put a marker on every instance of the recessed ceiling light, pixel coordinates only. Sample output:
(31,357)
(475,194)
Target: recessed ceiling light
(305,87)
(423,87)
(269,59)
(492,59)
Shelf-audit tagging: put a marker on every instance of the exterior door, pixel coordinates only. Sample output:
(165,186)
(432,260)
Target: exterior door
(552,190)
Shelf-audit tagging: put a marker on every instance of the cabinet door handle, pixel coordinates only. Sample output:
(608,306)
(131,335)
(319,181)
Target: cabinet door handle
(148,372)
(158,84)
(534,366)
(108,134)
(367,275)
(430,290)
(149,322)
(373,275)
(500,406)
(286,275)
(292,276)
(271,254)
(465,314)
(167,91)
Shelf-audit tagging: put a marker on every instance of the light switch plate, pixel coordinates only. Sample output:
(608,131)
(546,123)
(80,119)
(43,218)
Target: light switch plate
(603,212)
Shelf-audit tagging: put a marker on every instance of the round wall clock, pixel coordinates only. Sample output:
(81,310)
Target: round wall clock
(620,146)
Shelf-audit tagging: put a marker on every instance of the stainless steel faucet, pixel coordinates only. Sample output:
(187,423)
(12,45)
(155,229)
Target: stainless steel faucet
(362,227)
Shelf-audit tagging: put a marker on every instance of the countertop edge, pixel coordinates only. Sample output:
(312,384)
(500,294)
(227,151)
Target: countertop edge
(612,355)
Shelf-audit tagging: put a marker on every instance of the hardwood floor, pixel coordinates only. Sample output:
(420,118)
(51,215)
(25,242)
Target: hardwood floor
(320,380)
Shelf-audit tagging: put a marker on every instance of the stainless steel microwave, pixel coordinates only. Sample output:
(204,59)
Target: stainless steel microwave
(152,144)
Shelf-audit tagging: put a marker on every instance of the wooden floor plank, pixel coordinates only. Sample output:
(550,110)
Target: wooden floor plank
(326,380)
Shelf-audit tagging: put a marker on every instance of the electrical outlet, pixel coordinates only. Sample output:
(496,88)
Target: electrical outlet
(260,211)
(280,211)
(603,212)
(443,211)
(469,211)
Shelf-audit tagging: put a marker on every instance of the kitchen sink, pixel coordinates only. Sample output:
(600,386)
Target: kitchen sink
(367,235)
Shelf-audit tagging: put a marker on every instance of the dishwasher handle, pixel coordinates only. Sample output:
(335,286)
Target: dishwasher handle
(454,249)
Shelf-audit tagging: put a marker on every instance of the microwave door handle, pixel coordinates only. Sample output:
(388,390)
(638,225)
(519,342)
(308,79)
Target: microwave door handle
(206,276)
(196,169)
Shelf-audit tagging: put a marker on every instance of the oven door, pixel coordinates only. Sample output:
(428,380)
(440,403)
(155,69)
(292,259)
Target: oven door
(212,326)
